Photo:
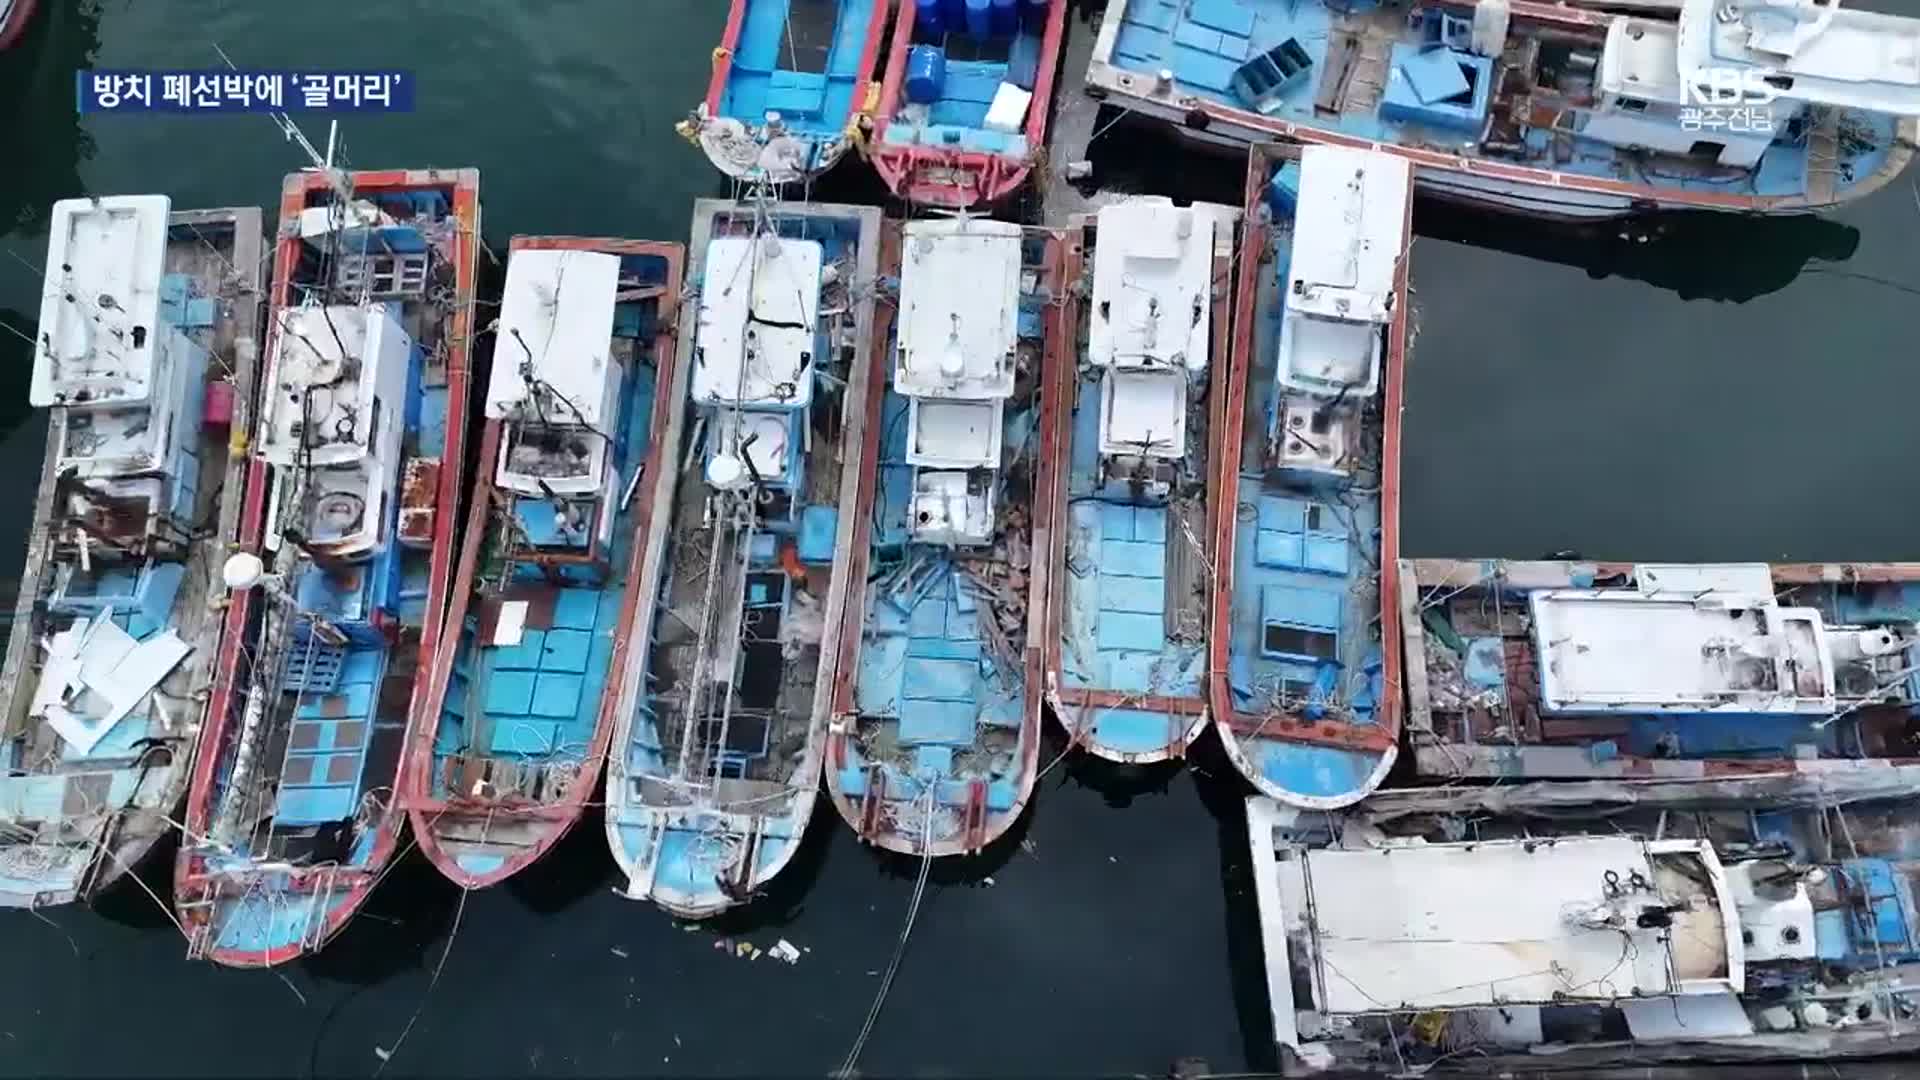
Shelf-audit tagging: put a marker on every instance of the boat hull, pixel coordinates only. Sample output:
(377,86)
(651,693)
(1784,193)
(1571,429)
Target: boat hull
(734,135)
(858,788)
(1509,188)
(958,178)
(239,909)
(1326,763)
(697,845)
(211,246)
(477,841)
(15,17)
(1079,708)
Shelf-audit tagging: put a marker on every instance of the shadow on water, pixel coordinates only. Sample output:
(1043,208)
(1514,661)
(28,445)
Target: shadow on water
(402,927)
(1697,256)
(1117,784)
(1224,792)
(576,868)
(136,900)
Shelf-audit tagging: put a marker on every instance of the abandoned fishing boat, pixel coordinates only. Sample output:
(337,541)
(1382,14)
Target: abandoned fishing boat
(145,364)
(790,81)
(1305,645)
(1127,657)
(519,711)
(15,15)
(1554,110)
(936,733)
(962,114)
(717,741)
(344,552)
(1502,930)
(1732,674)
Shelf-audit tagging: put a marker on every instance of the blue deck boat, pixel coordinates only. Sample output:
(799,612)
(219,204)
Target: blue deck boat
(144,362)
(1306,664)
(791,80)
(715,760)
(936,731)
(1127,663)
(1501,928)
(344,554)
(520,711)
(1730,677)
(1555,110)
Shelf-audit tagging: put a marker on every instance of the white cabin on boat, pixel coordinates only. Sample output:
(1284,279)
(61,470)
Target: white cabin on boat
(759,322)
(1151,325)
(555,382)
(1348,234)
(109,355)
(1694,639)
(959,330)
(1809,52)
(1721,84)
(333,421)
(100,309)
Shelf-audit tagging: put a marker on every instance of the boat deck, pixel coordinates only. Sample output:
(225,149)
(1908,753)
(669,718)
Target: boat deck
(58,796)
(800,58)
(1344,74)
(1475,691)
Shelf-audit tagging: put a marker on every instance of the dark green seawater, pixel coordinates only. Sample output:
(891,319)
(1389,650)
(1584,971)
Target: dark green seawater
(1696,389)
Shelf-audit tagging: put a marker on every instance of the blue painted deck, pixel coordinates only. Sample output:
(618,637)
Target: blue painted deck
(1114,616)
(975,69)
(936,706)
(1203,42)
(1304,624)
(343,708)
(800,58)
(539,702)
(682,845)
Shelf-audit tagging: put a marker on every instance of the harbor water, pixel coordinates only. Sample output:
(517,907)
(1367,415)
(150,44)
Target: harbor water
(1701,388)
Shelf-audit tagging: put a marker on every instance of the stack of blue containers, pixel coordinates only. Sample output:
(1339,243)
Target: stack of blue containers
(933,19)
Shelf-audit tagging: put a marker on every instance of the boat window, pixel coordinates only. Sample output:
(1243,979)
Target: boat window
(1628,104)
(1706,149)
(1294,641)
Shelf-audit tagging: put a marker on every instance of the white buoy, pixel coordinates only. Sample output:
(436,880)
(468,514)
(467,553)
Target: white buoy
(243,570)
(726,472)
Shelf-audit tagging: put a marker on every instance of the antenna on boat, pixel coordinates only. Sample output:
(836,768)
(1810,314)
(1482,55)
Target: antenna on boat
(294,135)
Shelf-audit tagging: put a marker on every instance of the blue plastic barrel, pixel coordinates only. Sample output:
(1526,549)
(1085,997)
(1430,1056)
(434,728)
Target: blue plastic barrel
(1033,15)
(980,18)
(1006,17)
(926,73)
(929,21)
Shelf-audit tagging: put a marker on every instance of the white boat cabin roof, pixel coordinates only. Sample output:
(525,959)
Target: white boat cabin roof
(556,324)
(960,309)
(1348,233)
(329,364)
(1152,279)
(1823,54)
(1417,926)
(1684,639)
(100,305)
(759,321)
(1641,60)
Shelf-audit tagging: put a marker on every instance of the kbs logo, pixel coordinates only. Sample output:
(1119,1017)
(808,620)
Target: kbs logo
(1729,99)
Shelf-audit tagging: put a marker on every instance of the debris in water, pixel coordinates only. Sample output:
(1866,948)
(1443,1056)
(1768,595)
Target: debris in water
(784,950)
(722,943)
(1112,859)
(987,881)
(619,952)
(1027,846)
(382,1053)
